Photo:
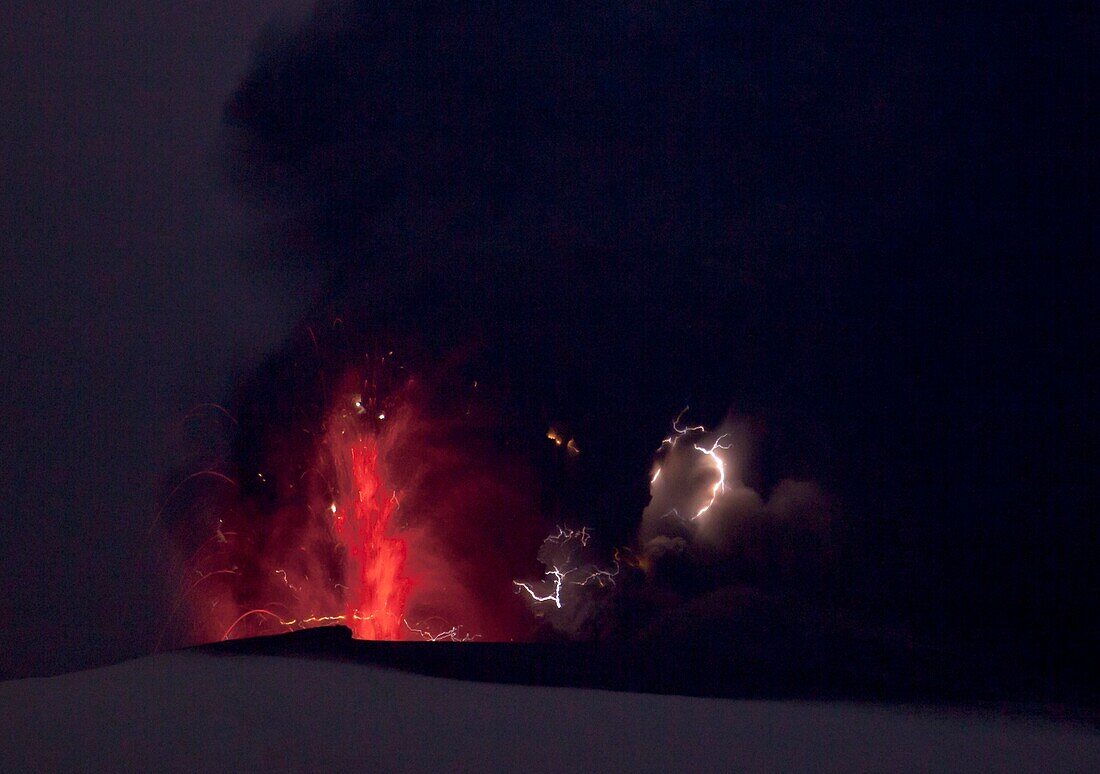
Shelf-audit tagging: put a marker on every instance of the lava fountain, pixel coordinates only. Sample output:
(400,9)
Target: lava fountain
(329,550)
(383,502)
(362,513)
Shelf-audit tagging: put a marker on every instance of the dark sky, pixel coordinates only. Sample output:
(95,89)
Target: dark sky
(124,300)
(870,229)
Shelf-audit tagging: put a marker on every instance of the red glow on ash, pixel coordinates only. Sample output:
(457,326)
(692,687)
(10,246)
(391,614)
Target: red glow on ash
(361,520)
(393,510)
(317,541)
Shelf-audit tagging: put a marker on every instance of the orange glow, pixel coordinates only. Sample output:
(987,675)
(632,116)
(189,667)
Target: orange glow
(361,521)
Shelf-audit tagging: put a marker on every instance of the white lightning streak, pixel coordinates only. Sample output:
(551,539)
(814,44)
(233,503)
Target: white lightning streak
(599,576)
(559,577)
(680,431)
(565,535)
(720,466)
(450,635)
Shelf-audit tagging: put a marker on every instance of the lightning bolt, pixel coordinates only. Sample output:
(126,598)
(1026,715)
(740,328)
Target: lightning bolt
(601,577)
(558,573)
(679,430)
(565,535)
(290,623)
(449,635)
(559,578)
(720,466)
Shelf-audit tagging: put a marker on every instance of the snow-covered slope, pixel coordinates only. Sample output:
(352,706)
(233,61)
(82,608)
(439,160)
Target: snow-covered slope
(201,711)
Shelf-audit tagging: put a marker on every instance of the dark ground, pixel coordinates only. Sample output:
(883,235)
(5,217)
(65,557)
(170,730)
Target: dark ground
(757,664)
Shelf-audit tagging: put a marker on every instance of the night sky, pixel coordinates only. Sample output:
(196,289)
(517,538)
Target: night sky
(868,231)
(126,300)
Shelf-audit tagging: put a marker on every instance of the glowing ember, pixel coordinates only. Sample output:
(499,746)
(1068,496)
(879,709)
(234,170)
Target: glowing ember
(361,520)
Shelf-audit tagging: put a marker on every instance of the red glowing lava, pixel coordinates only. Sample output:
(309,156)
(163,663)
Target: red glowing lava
(396,511)
(362,512)
(315,541)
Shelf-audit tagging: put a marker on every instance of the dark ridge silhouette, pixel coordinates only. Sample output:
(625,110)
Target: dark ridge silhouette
(839,667)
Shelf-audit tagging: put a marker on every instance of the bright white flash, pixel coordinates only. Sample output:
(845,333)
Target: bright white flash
(601,577)
(719,465)
(558,573)
(555,597)
(679,431)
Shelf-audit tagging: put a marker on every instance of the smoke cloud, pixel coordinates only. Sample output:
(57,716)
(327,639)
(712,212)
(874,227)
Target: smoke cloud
(508,206)
(699,494)
(702,510)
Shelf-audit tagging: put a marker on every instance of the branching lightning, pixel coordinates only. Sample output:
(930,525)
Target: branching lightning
(555,596)
(715,460)
(720,466)
(453,634)
(564,535)
(559,572)
(600,577)
(306,622)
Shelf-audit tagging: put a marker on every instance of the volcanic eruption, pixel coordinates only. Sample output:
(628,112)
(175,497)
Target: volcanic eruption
(455,441)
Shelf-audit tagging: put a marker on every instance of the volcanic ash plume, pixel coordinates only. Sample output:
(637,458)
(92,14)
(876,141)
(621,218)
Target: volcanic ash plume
(701,508)
(406,507)
(704,530)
